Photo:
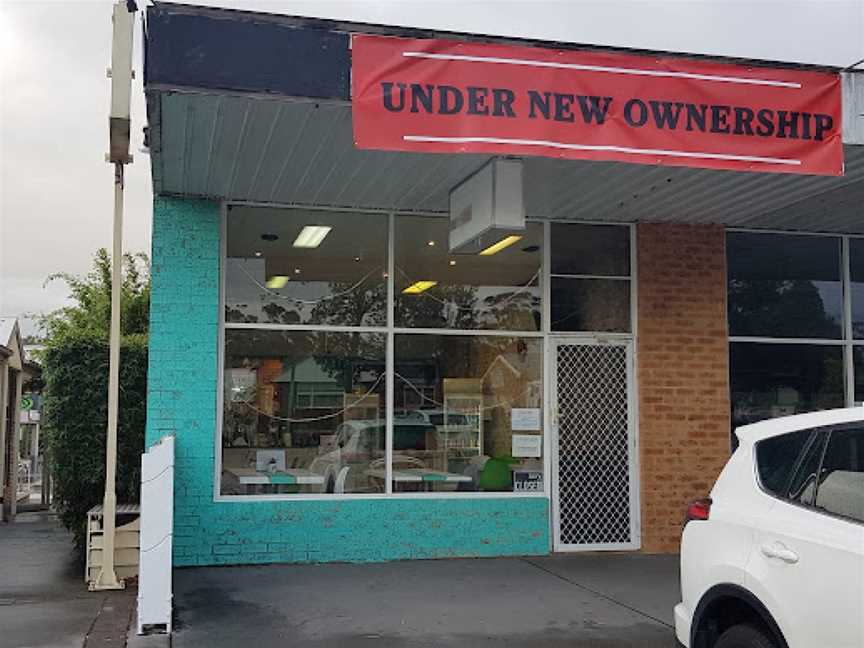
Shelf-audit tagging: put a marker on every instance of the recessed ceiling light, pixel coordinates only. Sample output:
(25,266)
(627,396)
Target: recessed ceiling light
(356,258)
(296,270)
(430,243)
(418,287)
(270,237)
(258,253)
(452,262)
(277,281)
(311,236)
(506,242)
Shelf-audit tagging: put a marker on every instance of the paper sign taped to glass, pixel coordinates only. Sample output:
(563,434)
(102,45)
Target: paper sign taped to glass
(525,418)
(527,481)
(527,445)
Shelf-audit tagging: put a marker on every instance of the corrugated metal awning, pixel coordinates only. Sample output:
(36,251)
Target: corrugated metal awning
(281,151)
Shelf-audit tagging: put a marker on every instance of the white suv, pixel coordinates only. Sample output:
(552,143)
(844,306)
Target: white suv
(775,557)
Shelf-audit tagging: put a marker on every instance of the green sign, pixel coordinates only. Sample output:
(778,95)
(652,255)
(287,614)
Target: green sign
(26,403)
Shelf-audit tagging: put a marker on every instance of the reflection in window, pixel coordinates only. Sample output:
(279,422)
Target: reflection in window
(303,412)
(436,289)
(858,364)
(582,299)
(856,272)
(599,250)
(590,305)
(784,286)
(770,380)
(467,413)
(305,267)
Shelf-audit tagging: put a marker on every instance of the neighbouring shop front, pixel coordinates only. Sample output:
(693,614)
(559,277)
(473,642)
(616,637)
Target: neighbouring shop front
(347,383)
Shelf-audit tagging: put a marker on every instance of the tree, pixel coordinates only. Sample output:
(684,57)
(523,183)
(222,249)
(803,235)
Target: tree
(75,365)
(91,312)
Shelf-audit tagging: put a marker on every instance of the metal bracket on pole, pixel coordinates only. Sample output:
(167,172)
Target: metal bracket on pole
(119,127)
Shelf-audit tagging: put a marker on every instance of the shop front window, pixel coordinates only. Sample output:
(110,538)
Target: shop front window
(787,324)
(771,380)
(311,304)
(468,413)
(858,363)
(304,411)
(437,289)
(590,280)
(784,286)
(305,267)
(856,275)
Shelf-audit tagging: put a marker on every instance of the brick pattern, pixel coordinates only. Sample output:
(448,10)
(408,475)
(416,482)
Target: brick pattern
(182,386)
(683,372)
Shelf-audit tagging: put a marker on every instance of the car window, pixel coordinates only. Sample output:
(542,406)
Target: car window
(776,458)
(803,485)
(841,479)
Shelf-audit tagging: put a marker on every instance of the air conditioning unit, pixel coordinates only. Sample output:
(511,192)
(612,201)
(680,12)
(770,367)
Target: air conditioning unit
(487,209)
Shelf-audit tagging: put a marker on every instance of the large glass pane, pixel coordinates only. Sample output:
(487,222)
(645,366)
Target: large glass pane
(436,289)
(602,250)
(590,305)
(304,412)
(784,286)
(856,269)
(289,266)
(770,380)
(467,413)
(858,357)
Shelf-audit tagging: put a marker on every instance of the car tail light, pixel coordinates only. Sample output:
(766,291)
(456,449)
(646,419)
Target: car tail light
(698,510)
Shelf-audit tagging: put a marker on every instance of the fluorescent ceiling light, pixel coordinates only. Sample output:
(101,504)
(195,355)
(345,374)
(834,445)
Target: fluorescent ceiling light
(418,287)
(311,236)
(500,245)
(277,281)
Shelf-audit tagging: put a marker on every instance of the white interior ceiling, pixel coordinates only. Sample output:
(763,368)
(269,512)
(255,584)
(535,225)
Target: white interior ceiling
(278,151)
(357,244)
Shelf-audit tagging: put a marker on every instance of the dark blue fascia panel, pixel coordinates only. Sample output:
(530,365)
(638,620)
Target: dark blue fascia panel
(190,47)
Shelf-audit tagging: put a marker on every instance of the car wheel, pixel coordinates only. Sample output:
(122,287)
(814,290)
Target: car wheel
(745,636)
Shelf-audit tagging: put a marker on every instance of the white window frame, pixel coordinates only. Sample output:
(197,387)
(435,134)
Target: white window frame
(545,334)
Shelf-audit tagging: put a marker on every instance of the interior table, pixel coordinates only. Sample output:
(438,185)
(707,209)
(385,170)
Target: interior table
(426,476)
(250,477)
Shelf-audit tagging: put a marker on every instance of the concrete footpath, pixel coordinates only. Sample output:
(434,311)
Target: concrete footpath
(591,600)
(597,600)
(44,602)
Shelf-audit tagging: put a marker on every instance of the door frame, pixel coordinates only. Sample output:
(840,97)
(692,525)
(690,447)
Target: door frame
(554,342)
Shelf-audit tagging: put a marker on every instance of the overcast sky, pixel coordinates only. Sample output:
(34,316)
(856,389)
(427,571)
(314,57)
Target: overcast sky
(56,190)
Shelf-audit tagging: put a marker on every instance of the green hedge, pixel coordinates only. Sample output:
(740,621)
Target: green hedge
(75,418)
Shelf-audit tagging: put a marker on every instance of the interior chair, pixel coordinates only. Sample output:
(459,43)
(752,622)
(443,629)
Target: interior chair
(339,485)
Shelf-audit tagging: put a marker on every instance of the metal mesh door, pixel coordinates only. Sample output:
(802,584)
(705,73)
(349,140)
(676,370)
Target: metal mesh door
(593,453)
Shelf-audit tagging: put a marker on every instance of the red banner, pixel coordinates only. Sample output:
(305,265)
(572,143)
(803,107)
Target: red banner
(458,97)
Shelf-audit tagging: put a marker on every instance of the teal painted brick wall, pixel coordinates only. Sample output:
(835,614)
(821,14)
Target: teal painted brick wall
(182,384)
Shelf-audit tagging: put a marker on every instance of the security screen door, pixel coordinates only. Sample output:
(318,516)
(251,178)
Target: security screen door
(594,487)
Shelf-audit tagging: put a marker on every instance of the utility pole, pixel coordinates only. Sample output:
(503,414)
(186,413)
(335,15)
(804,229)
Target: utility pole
(119,124)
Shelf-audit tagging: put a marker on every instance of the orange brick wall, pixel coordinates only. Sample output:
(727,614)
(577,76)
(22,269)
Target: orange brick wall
(683,372)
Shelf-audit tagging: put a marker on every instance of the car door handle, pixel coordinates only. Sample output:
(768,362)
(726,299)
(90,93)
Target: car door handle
(780,551)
